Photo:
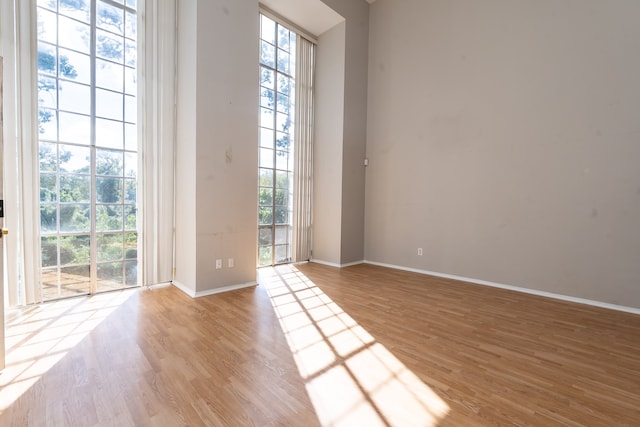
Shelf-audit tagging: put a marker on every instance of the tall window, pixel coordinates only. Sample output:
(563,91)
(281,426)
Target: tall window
(277,97)
(87,145)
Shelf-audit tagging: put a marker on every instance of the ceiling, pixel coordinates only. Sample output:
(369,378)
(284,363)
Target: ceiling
(312,15)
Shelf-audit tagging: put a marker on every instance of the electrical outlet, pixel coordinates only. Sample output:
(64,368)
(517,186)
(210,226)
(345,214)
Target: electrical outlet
(218,264)
(230,263)
(420,251)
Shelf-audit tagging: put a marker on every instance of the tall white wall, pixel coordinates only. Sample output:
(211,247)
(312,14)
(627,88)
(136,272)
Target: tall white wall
(217,143)
(185,197)
(503,139)
(344,44)
(328,145)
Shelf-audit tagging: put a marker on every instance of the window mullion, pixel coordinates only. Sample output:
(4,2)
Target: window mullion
(92,233)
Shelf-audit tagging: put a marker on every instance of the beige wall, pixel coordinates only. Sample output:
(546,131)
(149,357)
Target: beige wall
(328,143)
(185,197)
(349,137)
(504,139)
(217,144)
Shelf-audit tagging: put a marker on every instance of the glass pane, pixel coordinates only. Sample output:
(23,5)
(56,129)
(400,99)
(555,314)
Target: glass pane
(264,255)
(130,81)
(266,118)
(282,235)
(265,215)
(47,124)
(130,190)
(265,197)
(131,245)
(47,59)
(50,279)
(267,29)
(130,137)
(48,157)
(75,128)
(109,133)
(265,237)
(47,26)
(282,215)
(109,190)
(109,75)
(110,18)
(130,217)
(267,54)
(75,249)
(74,35)
(49,251)
(282,253)
(267,98)
(109,104)
(74,159)
(283,103)
(283,141)
(75,66)
(109,247)
(266,177)
(130,25)
(48,190)
(131,273)
(282,179)
(109,46)
(130,165)
(109,218)
(48,218)
(109,162)
(292,50)
(282,198)
(283,122)
(266,138)
(266,158)
(283,61)
(78,9)
(284,84)
(130,109)
(283,38)
(110,276)
(130,53)
(47,92)
(75,188)
(74,218)
(282,160)
(131,3)
(49,4)
(267,78)
(74,280)
(74,97)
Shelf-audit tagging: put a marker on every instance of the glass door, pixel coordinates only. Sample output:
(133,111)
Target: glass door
(87,145)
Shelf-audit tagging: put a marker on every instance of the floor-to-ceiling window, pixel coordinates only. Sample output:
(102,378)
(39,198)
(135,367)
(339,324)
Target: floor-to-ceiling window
(277,121)
(88,145)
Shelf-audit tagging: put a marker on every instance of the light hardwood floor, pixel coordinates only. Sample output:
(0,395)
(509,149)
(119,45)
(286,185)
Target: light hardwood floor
(314,345)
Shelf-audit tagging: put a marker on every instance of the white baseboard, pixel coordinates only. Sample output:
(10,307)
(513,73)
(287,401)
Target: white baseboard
(158,285)
(225,289)
(333,264)
(561,297)
(193,294)
(184,288)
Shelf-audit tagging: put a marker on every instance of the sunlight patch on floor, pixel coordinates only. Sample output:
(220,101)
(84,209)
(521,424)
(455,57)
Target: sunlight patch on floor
(351,379)
(39,336)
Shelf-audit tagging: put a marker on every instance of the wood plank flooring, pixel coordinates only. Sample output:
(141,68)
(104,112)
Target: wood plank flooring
(314,345)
